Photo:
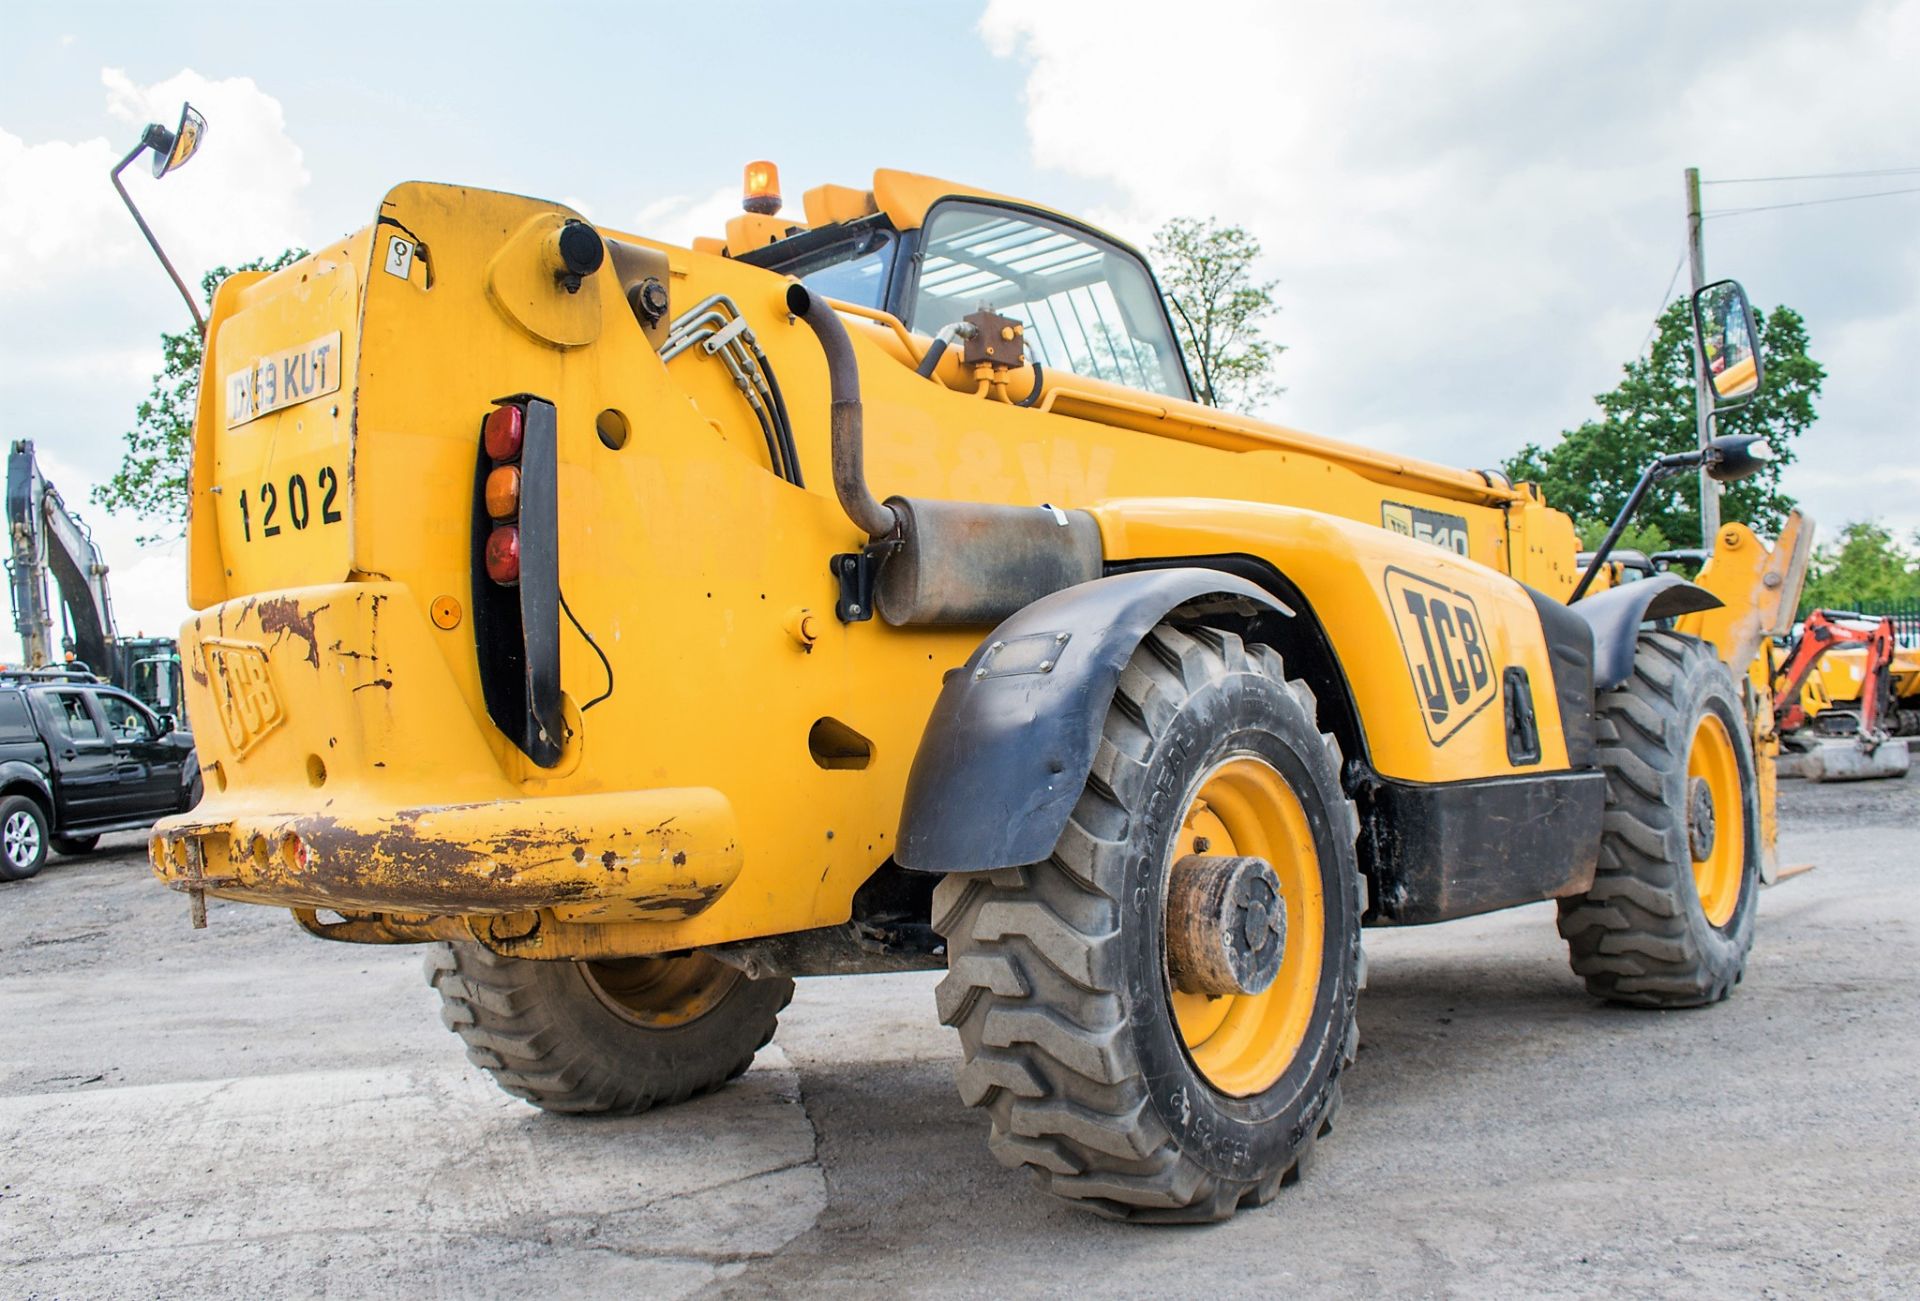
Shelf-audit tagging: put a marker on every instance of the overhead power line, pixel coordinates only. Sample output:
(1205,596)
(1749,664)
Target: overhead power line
(1665,298)
(1815,176)
(1812,203)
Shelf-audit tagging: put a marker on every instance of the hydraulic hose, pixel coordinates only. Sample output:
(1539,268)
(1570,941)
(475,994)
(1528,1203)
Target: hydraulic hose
(846,419)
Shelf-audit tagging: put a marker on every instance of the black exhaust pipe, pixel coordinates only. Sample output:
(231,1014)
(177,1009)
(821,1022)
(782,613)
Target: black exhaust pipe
(846,420)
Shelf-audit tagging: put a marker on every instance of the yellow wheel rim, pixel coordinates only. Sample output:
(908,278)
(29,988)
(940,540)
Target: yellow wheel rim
(1716,820)
(1242,1043)
(661,993)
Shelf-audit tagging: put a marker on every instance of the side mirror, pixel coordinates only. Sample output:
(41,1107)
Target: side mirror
(165,722)
(1728,339)
(171,149)
(1733,457)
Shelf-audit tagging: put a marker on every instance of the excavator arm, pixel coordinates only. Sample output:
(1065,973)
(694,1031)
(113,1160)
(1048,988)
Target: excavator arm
(47,538)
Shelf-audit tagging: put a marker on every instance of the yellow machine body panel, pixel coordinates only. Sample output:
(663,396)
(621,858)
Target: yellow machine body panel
(708,790)
(1424,635)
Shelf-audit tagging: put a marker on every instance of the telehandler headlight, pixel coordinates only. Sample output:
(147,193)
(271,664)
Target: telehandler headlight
(503,555)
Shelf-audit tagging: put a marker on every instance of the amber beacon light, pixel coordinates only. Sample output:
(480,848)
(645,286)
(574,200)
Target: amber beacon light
(761,191)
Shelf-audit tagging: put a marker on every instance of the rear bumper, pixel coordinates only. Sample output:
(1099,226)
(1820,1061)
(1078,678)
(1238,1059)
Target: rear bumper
(631,855)
(345,769)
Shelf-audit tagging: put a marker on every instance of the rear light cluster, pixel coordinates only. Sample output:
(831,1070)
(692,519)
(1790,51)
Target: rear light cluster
(504,432)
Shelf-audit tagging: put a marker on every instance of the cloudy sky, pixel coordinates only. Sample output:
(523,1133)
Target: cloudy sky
(1472,209)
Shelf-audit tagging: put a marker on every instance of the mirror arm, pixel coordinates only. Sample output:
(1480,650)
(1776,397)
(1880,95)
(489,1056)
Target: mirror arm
(1660,469)
(199,321)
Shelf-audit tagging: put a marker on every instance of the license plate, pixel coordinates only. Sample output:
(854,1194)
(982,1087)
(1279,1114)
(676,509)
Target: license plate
(281,379)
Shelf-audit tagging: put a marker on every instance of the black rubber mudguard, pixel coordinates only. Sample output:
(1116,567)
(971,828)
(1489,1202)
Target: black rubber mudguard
(1013,735)
(1617,613)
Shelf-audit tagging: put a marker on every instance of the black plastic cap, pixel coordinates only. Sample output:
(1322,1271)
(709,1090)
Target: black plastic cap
(581,248)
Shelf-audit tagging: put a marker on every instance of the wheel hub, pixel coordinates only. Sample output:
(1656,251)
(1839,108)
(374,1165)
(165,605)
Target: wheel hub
(22,840)
(1226,925)
(1701,829)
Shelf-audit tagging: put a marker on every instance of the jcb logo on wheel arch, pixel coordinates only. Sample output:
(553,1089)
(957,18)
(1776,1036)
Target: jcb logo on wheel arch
(1445,643)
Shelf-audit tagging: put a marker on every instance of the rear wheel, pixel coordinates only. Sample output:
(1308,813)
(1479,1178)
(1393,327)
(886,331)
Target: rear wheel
(1668,921)
(74,846)
(617,1036)
(23,838)
(1110,1065)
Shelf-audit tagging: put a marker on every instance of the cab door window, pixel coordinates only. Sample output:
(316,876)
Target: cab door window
(1088,306)
(73,719)
(126,721)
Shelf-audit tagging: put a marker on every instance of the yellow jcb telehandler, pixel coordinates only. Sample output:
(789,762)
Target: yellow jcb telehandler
(642,627)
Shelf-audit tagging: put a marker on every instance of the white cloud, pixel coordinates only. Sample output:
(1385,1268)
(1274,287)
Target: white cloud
(680,218)
(86,302)
(1473,208)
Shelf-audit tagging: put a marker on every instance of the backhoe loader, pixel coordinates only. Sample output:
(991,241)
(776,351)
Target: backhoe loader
(643,626)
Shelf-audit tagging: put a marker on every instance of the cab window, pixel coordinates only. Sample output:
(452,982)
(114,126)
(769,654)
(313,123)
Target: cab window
(1088,306)
(125,719)
(14,723)
(72,718)
(855,272)
(852,263)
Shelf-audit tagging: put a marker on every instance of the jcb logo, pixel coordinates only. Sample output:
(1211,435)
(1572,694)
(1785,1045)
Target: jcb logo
(1446,648)
(243,694)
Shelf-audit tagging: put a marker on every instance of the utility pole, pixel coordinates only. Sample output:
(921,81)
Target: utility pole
(1702,392)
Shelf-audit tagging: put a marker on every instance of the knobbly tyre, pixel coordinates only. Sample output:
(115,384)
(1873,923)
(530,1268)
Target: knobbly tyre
(546,617)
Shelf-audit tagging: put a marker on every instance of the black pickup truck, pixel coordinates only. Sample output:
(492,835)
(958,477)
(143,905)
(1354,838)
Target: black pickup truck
(79,758)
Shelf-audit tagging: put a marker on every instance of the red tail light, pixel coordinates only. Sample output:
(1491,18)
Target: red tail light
(503,554)
(503,492)
(504,431)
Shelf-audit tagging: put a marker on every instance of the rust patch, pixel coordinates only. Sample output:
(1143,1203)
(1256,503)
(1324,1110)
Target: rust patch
(608,859)
(579,853)
(281,615)
(385,684)
(679,858)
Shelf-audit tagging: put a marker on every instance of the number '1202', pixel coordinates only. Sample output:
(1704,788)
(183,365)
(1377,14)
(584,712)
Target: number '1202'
(297,503)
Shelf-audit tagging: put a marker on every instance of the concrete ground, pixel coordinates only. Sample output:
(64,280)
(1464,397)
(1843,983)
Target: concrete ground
(246,1111)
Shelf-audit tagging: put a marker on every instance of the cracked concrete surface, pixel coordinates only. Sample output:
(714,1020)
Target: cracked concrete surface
(246,1110)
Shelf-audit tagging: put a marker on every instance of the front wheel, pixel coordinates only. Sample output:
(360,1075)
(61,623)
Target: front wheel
(619,1036)
(1668,921)
(23,838)
(74,846)
(1155,1019)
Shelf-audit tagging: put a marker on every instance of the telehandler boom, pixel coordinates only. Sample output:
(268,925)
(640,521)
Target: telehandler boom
(645,626)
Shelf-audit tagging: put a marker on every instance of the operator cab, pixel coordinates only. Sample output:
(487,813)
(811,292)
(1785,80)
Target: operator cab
(1089,304)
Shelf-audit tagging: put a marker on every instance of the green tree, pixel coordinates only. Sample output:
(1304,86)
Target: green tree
(1866,567)
(1640,536)
(154,478)
(1207,274)
(1593,468)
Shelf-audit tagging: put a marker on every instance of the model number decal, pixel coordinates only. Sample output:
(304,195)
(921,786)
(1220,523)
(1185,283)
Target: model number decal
(1437,527)
(290,505)
(1445,643)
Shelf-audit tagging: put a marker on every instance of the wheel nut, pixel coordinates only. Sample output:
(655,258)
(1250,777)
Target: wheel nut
(1226,925)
